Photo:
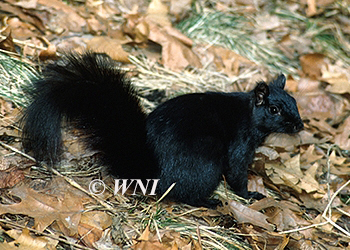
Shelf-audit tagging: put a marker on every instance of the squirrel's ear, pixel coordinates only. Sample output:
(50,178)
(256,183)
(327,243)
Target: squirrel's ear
(280,82)
(261,93)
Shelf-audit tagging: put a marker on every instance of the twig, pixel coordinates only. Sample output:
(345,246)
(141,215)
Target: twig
(16,151)
(24,43)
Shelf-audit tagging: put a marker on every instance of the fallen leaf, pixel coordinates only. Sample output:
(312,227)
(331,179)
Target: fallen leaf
(256,184)
(23,14)
(343,138)
(145,236)
(245,214)
(180,8)
(8,45)
(311,64)
(311,8)
(291,175)
(321,203)
(10,178)
(49,53)
(339,82)
(26,240)
(45,209)
(283,140)
(270,153)
(112,47)
(175,54)
(228,61)
(64,18)
(157,12)
(310,155)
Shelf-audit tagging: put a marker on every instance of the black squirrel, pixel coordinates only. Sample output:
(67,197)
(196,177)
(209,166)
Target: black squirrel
(192,139)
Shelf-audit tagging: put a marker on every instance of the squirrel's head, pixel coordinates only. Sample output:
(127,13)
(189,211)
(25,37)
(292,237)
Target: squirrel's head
(274,109)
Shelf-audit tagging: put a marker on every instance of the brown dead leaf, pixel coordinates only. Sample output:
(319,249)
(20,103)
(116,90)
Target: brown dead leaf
(337,160)
(97,219)
(315,7)
(175,55)
(180,8)
(169,240)
(309,86)
(49,53)
(136,27)
(339,81)
(64,17)
(291,175)
(343,138)
(270,153)
(261,239)
(157,12)
(283,214)
(342,170)
(289,142)
(310,155)
(284,219)
(328,227)
(245,214)
(141,32)
(27,4)
(311,64)
(23,14)
(256,184)
(26,240)
(322,126)
(172,239)
(45,209)
(8,44)
(320,104)
(20,29)
(307,137)
(178,35)
(311,8)
(145,245)
(89,235)
(270,202)
(319,204)
(338,165)
(10,178)
(111,47)
(145,236)
(309,183)
(206,213)
(94,26)
(228,61)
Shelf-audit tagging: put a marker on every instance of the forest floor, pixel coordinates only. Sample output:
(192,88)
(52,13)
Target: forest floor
(169,48)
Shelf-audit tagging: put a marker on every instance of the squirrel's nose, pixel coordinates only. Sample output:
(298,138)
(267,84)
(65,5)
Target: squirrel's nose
(298,127)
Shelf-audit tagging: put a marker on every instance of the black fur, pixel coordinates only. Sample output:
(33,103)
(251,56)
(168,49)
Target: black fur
(192,140)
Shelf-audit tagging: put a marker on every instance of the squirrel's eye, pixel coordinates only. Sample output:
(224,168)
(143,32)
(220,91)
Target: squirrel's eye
(274,110)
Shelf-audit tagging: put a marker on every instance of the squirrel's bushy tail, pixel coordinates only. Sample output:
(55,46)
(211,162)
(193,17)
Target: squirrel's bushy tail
(91,93)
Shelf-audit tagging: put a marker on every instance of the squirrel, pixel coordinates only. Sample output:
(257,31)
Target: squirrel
(191,140)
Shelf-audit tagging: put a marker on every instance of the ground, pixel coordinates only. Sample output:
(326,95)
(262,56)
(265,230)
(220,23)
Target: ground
(169,48)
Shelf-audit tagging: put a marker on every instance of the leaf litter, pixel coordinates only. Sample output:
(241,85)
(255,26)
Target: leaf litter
(169,48)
